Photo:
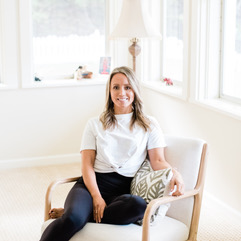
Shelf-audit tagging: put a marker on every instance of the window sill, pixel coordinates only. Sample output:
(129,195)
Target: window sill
(7,87)
(96,80)
(170,90)
(221,106)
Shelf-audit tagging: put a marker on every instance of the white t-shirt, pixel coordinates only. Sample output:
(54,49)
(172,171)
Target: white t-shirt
(120,149)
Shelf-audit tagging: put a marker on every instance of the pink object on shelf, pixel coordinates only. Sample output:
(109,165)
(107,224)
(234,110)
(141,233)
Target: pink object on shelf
(168,81)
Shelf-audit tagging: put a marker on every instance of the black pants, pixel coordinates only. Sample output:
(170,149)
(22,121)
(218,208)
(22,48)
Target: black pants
(122,207)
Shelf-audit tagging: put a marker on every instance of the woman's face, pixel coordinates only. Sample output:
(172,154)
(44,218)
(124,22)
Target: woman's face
(122,94)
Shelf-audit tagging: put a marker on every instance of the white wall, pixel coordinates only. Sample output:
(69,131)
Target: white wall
(221,132)
(44,125)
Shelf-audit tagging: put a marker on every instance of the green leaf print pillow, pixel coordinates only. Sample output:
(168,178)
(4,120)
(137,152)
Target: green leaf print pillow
(150,184)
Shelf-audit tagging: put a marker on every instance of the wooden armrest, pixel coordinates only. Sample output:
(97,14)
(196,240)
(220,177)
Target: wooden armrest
(155,203)
(167,199)
(49,192)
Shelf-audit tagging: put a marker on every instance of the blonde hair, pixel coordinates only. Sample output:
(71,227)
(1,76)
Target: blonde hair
(108,116)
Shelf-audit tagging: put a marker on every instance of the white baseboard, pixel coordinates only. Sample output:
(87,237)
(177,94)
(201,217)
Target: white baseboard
(40,161)
(222,204)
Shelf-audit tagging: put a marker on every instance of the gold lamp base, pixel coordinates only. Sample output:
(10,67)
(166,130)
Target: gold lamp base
(134,50)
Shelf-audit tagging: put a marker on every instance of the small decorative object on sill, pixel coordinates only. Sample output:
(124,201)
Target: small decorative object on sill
(37,79)
(86,74)
(168,81)
(78,73)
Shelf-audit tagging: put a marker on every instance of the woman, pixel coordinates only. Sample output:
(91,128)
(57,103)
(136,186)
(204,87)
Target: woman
(113,148)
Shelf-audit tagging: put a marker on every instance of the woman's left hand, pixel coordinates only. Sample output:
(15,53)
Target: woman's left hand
(178,181)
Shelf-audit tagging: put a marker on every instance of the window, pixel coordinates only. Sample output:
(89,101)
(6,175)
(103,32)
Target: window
(55,63)
(169,57)
(231,51)
(173,39)
(0,64)
(215,56)
(25,27)
(67,34)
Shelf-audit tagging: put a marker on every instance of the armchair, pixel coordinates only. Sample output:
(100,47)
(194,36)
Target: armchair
(188,155)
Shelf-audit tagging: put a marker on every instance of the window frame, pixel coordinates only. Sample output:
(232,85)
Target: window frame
(223,54)
(205,59)
(9,64)
(203,51)
(16,67)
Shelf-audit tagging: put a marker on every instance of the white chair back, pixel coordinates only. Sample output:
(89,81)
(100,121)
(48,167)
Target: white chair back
(184,154)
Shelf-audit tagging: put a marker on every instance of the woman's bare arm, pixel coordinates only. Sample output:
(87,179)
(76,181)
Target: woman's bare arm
(158,161)
(88,160)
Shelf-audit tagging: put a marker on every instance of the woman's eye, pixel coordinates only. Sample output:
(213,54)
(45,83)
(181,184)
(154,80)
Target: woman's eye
(115,87)
(128,87)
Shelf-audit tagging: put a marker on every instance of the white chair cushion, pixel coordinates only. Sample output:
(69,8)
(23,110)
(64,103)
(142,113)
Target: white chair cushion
(168,229)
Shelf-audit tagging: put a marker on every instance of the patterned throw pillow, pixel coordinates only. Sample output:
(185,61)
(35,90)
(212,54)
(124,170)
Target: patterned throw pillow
(150,184)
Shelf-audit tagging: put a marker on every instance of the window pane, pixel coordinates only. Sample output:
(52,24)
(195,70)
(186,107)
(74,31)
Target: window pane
(0,67)
(232,49)
(173,40)
(0,58)
(67,34)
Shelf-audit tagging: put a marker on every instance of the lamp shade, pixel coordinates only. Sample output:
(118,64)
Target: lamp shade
(134,22)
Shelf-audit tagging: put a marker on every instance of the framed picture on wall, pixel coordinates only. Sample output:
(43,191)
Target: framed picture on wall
(105,63)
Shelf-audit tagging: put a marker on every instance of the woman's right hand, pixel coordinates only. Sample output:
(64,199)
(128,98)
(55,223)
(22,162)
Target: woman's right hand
(98,208)
(88,160)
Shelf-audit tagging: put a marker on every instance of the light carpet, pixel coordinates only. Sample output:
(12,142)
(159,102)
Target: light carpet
(22,194)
